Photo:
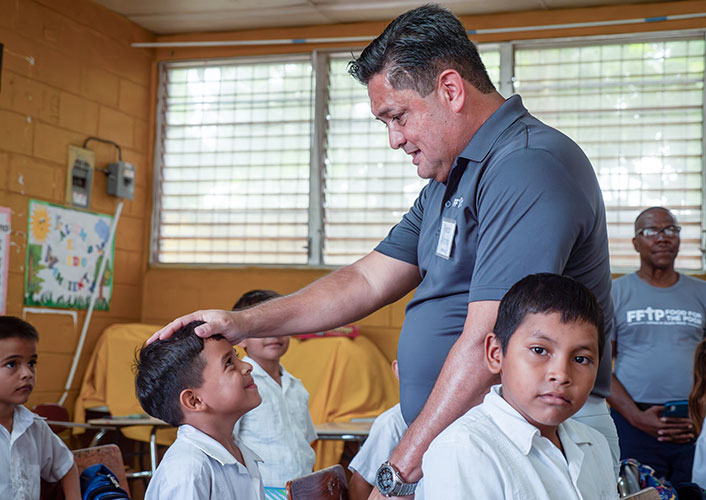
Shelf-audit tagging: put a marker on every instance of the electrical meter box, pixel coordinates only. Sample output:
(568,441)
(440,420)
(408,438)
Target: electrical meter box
(121,179)
(79,177)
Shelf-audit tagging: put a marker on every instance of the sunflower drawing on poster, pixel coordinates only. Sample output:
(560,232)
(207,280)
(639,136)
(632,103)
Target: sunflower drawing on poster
(65,248)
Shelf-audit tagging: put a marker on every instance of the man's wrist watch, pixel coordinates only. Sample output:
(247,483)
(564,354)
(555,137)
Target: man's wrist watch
(389,482)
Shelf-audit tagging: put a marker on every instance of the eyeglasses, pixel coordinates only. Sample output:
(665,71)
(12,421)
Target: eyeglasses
(653,232)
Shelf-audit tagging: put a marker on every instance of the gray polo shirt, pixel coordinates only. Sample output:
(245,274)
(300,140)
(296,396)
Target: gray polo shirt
(523,198)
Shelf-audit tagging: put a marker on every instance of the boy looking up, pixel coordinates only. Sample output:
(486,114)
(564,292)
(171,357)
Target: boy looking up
(201,386)
(519,443)
(280,430)
(29,450)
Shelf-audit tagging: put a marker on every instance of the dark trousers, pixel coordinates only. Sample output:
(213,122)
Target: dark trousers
(669,460)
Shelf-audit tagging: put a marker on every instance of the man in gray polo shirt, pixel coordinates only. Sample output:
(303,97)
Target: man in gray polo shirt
(660,318)
(507,196)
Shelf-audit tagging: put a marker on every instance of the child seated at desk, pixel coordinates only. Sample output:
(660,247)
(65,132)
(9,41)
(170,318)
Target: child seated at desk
(280,430)
(201,386)
(520,443)
(29,450)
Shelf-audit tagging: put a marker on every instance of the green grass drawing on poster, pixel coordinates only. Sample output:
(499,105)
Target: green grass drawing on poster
(47,300)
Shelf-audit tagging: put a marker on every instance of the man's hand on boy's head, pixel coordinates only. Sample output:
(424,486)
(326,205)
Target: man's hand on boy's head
(216,322)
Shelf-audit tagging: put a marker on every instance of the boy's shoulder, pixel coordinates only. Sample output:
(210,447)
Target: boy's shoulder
(476,426)
(579,433)
(26,421)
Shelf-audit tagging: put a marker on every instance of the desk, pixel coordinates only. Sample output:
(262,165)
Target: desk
(152,423)
(343,431)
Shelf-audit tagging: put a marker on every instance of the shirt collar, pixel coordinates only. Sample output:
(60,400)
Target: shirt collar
(213,448)
(488,133)
(511,423)
(23,419)
(257,370)
(519,430)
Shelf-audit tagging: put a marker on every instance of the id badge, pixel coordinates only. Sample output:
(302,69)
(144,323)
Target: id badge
(446,238)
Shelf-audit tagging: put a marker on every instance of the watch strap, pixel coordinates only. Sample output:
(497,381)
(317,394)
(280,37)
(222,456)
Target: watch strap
(404,489)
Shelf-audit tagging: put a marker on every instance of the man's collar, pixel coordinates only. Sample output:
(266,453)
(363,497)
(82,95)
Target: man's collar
(484,138)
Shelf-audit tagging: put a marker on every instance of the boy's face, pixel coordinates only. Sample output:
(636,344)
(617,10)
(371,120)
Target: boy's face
(266,349)
(548,370)
(228,388)
(18,364)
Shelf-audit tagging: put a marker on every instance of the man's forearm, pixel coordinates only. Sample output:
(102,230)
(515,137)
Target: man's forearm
(345,295)
(463,382)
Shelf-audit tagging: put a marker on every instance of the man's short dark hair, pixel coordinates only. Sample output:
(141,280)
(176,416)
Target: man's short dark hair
(416,47)
(547,293)
(166,367)
(249,299)
(14,327)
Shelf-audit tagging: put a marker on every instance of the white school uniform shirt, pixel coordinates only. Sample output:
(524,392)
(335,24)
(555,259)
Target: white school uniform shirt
(280,429)
(698,471)
(196,466)
(493,452)
(385,434)
(30,453)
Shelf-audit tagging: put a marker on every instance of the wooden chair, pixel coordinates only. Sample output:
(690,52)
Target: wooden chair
(325,484)
(646,494)
(108,455)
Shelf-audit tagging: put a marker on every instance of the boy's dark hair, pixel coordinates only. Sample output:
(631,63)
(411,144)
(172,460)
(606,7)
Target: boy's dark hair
(165,368)
(416,47)
(249,299)
(547,293)
(14,327)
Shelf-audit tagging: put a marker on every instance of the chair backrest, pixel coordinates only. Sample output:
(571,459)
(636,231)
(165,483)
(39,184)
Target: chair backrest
(53,411)
(325,484)
(646,494)
(108,455)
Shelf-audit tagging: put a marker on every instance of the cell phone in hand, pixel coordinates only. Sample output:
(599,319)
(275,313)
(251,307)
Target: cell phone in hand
(676,409)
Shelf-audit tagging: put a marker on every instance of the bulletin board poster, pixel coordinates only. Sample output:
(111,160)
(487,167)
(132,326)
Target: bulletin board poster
(65,248)
(5,215)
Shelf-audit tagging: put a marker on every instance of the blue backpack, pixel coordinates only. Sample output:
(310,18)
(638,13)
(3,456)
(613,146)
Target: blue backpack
(99,483)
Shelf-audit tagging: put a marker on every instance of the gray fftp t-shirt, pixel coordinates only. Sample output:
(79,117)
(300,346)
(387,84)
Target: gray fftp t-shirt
(522,198)
(656,332)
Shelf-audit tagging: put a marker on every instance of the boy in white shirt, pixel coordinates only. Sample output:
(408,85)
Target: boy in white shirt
(201,386)
(519,443)
(280,430)
(385,434)
(29,450)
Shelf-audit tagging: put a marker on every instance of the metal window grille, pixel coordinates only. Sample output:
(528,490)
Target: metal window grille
(636,109)
(234,147)
(281,162)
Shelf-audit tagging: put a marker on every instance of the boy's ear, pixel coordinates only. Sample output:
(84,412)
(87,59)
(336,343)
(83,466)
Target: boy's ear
(191,401)
(493,353)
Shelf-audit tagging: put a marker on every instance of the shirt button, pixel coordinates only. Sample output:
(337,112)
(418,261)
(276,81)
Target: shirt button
(447,204)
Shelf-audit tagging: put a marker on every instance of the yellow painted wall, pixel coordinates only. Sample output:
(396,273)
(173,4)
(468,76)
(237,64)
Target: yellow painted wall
(69,72)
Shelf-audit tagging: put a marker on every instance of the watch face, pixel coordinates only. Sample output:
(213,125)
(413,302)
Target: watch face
(385,479)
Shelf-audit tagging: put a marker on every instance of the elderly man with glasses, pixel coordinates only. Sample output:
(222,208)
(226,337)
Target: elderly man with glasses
(660,317)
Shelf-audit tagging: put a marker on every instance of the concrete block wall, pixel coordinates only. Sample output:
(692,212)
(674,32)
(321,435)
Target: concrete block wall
(68,73)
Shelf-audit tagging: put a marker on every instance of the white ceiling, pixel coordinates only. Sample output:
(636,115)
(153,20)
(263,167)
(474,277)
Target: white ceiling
(164,17)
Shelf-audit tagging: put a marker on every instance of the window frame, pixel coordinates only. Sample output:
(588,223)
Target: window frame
(319,60)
